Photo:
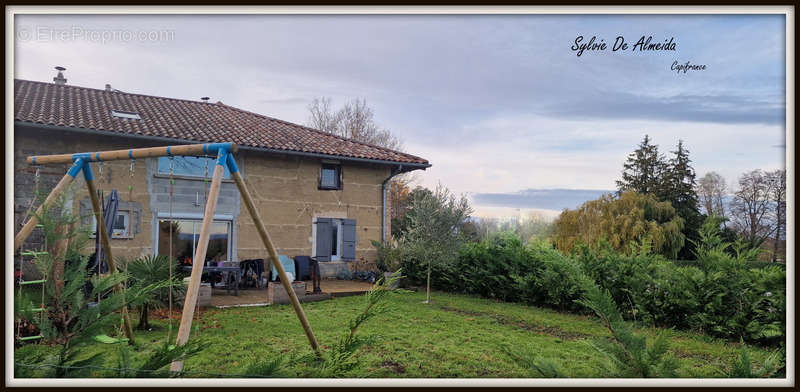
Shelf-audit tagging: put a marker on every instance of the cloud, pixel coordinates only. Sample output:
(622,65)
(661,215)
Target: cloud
(498,103)
(549,199)
(725,109)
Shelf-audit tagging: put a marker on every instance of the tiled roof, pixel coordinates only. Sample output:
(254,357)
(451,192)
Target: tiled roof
(88,108)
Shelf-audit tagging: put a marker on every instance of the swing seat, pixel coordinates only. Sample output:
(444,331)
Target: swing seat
(105,339)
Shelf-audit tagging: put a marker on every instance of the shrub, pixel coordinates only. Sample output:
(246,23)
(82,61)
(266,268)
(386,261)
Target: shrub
(719,294)
(557,280)
(487,268)
(153,269)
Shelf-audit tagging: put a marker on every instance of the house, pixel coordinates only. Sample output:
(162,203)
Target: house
(319,194)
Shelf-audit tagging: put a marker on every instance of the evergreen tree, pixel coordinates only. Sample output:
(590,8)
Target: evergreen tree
(648,172)
(678,187)
(643,169)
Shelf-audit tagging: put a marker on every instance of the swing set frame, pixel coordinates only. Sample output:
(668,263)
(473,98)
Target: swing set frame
(81,163)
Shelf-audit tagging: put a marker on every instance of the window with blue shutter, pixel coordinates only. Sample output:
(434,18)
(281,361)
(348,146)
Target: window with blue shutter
(348,248)
(323,239)
(335,239)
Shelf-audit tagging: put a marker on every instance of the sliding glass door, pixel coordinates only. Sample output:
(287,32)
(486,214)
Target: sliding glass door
(186,234)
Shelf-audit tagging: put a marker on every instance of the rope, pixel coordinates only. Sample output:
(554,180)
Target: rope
(205,205)
(35,194)
(171,250)
(130,186)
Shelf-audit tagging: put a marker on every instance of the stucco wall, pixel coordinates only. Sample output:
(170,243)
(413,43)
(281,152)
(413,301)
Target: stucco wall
(284,188)
(285,192)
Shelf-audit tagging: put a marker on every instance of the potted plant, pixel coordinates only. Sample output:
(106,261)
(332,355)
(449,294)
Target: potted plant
(389,257)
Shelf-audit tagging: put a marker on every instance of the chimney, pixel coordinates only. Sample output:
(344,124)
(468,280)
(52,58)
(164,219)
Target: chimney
(108,87)
(205,99)
(60,79)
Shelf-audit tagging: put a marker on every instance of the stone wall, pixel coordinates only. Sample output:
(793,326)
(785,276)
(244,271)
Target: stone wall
(284,189)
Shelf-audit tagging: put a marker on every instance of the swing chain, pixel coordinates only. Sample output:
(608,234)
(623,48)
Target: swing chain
(130,185)
(205,177)
(171,167)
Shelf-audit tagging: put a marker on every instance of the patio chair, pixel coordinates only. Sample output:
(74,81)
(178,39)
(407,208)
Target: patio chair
(288,266)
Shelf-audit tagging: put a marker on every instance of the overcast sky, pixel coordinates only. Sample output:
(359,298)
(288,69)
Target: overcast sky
(501,105)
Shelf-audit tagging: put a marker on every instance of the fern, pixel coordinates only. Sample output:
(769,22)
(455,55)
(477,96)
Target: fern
(537,366)
(340,358)
(742,367)
(628,352)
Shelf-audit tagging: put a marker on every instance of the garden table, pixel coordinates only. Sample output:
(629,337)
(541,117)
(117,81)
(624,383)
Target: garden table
(237,273)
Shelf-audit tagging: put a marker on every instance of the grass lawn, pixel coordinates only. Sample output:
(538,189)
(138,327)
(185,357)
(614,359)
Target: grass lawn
(454,336)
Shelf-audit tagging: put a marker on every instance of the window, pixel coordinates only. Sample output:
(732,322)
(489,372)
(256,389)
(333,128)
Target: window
(335,239)
(186,234)
(330,177)
(127,115)
(190,166)
(121,227)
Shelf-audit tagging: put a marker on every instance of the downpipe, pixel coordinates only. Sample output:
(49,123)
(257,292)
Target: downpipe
(384,187)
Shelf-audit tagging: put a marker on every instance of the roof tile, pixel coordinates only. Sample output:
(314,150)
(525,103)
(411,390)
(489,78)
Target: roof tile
(82,107)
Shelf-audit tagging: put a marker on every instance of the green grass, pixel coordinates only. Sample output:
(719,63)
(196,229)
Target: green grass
(454,336)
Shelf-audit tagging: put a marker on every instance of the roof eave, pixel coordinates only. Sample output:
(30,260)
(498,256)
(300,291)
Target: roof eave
(409,165)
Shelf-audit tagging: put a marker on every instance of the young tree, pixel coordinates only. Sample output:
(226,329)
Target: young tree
(751,208)
(435,233)
(711,188)
(148,270)
(642,170)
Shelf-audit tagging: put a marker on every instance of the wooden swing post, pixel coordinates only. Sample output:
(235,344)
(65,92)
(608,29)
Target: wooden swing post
(135,153)
(273,255)
(102,231)
(80,158)
(199,258)
(62,185)
(224,152)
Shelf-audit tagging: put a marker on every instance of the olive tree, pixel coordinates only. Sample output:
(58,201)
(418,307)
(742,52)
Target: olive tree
(435,233)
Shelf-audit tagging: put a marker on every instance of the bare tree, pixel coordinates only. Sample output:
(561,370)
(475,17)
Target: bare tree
(711,188)
(355,120)
(777,179)
(752,208)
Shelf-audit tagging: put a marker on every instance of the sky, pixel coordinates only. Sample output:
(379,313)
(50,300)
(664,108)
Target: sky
(501,105)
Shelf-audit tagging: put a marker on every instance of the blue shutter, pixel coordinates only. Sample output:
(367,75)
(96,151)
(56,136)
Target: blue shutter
(323,240)
(348,239)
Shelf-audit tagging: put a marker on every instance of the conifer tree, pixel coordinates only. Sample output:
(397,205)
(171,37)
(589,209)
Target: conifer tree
(678,188)
(642,170)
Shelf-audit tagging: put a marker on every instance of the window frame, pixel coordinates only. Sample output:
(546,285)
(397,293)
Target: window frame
(229,221)
(125,114)
(226,174)
(126,234)
(337,223)
(338,170)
